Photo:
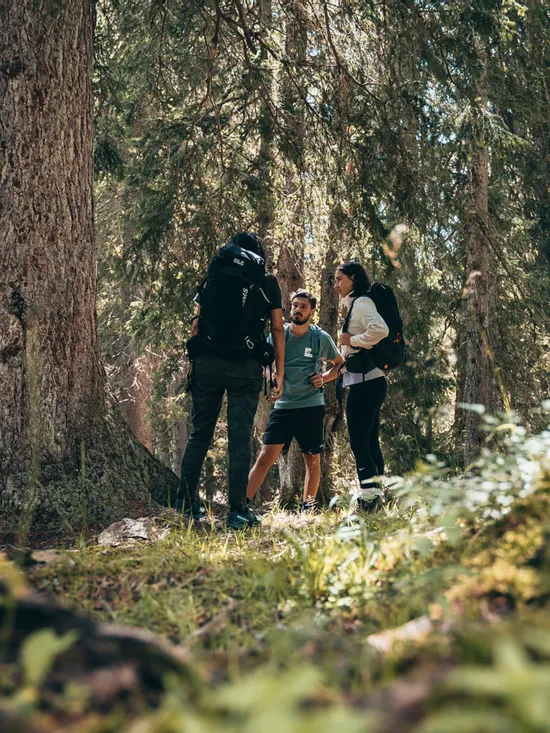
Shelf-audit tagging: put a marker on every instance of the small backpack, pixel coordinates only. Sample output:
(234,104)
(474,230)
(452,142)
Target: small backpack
(234,306)
(390,351)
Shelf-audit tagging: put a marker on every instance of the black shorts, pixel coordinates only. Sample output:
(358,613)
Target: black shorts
(303,423)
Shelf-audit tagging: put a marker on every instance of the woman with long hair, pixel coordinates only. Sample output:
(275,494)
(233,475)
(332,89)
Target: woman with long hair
(362,329)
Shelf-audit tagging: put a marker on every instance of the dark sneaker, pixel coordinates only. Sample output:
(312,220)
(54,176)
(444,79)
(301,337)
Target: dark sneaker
(309,506)
(369,500)
(242,519)
(195,509)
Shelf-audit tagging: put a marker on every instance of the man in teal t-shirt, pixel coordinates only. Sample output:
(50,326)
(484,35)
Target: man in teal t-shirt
(300,411)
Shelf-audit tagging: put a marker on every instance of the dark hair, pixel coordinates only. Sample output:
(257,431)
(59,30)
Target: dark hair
(361,282)
(301,293)
(249,241)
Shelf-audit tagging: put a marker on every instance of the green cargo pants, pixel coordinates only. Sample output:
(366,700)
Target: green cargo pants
(242,381)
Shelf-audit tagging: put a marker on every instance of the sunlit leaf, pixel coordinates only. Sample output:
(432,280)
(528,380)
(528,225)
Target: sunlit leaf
(39,651)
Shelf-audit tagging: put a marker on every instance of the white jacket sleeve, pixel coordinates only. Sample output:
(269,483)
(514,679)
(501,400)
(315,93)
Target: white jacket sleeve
(372,326)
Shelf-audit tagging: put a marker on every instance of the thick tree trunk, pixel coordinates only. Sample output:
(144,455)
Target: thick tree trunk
(135,395)
(476,363)
(266,162)
(476,376)
(266,208)
(135,370)
(289,270)
(328,320)
(181,427)
(291,464)
(62,449)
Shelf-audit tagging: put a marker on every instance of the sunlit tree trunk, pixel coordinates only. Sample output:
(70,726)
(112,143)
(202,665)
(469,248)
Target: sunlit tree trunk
(476,377)
(266,207)
(64,452)
(181,427)
(135,395)
(266,159)
(291,464)
(289,268)
(135,370)
(328,320)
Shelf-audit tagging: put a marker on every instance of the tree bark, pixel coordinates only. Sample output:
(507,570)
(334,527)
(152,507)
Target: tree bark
(63,450)
(475,379)
(289,270)
(328,320)
(135,371)
(266,161)
(135,395)
(181,427)
(266,207)
(291,464)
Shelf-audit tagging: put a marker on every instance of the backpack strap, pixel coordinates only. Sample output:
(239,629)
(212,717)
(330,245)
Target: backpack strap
(345,323)
(316,347)
(316,343)
(345,326)
(315,340)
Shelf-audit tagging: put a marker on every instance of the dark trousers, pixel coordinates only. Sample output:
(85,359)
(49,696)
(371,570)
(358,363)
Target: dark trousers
(363,418)
(210,379)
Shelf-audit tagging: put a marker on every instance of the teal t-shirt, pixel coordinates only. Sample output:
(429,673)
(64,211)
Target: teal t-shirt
(299,363)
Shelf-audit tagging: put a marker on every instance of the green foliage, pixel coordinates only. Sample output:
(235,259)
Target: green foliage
(39,651)
(325,125)
(264,702)
(303,625)
(508,695)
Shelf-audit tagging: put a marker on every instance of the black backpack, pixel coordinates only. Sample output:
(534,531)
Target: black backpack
(390,351)
(234,306)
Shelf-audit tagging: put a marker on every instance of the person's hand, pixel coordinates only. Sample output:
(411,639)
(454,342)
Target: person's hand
(345,339)
(316,380)
(277,391)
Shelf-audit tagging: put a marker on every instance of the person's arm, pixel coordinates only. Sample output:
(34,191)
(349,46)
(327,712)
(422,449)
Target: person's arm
(278,336)
(375,328)
(318,380)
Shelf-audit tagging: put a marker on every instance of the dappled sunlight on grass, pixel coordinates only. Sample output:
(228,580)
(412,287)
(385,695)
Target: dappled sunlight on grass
(383,605)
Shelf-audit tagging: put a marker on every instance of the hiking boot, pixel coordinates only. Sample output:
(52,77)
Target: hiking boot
(242,519)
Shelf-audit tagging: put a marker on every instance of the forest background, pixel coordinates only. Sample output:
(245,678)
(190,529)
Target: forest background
(330,129)
(410,135)
(139,135)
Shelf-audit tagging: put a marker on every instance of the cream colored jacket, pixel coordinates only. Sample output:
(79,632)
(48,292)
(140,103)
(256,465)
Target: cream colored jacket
(366,328)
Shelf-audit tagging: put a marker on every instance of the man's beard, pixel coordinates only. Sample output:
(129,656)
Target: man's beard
(298,321)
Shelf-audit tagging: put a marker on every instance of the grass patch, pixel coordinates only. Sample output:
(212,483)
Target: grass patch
(422,616)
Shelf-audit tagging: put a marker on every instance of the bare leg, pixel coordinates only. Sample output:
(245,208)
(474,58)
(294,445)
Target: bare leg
(313,476)
(268,456)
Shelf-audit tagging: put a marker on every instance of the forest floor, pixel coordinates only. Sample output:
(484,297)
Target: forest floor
(385,622)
